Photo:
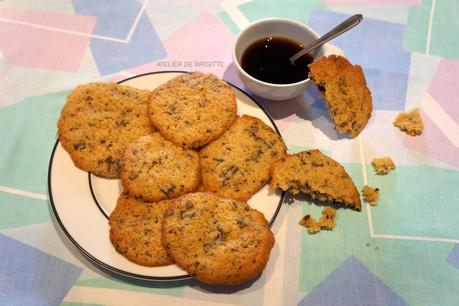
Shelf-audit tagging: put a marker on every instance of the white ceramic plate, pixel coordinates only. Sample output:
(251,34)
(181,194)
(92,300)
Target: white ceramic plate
(82,202)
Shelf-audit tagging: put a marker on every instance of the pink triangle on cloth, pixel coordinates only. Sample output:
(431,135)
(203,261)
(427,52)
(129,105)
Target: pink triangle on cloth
(34,39)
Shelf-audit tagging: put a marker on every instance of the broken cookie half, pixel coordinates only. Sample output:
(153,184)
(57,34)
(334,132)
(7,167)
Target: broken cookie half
(344,89)
(317,175)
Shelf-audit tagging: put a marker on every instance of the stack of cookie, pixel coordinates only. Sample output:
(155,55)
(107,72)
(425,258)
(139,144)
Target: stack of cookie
(165,146)
(188,164)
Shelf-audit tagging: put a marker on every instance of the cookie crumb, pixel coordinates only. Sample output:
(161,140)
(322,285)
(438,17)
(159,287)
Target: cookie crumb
(410,122)
(382,165)
(326,221)
(311,224)
(370,195)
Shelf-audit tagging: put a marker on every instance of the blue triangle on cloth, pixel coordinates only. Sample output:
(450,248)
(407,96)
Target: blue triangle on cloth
(32,277)
(351,284)
(453,258)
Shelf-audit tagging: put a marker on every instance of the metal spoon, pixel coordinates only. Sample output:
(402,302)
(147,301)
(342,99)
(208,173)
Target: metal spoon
(343,27)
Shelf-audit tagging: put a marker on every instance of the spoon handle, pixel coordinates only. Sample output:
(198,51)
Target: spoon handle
(344,26)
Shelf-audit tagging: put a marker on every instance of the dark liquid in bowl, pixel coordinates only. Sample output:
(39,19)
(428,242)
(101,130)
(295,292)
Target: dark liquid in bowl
(267,60)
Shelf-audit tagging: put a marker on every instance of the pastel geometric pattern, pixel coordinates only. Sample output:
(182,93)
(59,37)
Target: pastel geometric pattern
(377,46)
(44,237)
(293,9)
(351,284)
(65,303)
(287,112)
(307,109)
(113,283)
(381,11)
(159,12)
(417,27)
(32,277)
(185,47)
(18,210)
(422,71)
(433,28)
(50,6)
(453,258)
(115,18)
(440,114)
(428,280)
(445,87)
(45,39)
(433,142)
(225,17)
(374,2)
(123,44)
(417,201)
(29,133)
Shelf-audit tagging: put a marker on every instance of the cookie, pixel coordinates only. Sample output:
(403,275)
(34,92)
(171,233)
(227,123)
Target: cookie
(370,194)
(410,122)
(313,173)
(344,89)
(217,240)
(155,169)
(135,231)
(382,165)
(97,123)
(237,164)
(192,109)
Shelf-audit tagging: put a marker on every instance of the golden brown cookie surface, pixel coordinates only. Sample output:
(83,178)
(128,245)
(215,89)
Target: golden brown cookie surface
(410,122)
(135,231)
(97,123)
(155,169)
(345,92)
(370,194)
(236,165)
(192,109)
(217,240)
(315,174)
(326,222)
(311,224)
(382,165)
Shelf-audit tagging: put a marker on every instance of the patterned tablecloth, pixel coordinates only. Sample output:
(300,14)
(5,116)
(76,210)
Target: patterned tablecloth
(405,251)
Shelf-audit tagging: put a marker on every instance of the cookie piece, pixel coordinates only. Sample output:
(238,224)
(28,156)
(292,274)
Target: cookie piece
(382,165)
(155,169)
(410,122)
(217,240)
(315,174)
(237,164)
(345,92)
(97,123)
(370,194)
(327,220)
(192,109)
(135,231)
(311,224)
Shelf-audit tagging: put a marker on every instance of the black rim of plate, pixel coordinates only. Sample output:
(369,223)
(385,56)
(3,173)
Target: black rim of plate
(106,266)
